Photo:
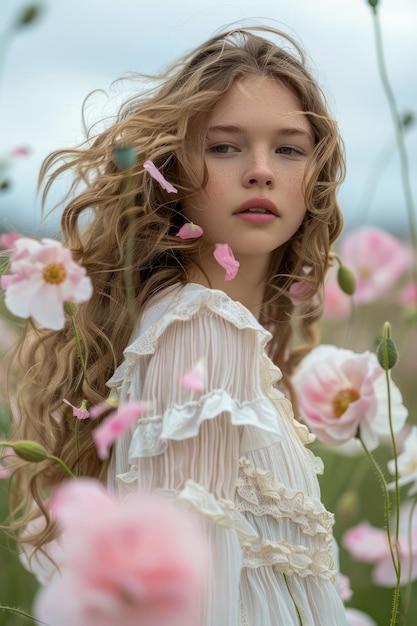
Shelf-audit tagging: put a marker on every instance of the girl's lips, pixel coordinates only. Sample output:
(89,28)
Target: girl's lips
(256,218)
(258,203)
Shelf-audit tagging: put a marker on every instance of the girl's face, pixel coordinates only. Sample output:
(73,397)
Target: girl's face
(256,153)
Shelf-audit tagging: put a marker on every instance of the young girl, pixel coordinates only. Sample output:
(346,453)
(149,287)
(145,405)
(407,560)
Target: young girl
(241,129)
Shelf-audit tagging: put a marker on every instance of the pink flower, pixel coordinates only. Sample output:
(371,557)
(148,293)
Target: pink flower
(377,260)
(44,277)
(190,231)
(358,618)
(370,545)
(337,304)
(408,294)
(341,392)
(8,239)
(224,256)
(81,412)
(115,424)
(345,591)
(156,174)
(194,379)
(137,561)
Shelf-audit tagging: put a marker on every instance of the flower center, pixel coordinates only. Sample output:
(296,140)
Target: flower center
(54,273)
(342,400)
(365,272)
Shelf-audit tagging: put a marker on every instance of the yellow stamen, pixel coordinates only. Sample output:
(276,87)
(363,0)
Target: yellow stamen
(54,273)
(342,399)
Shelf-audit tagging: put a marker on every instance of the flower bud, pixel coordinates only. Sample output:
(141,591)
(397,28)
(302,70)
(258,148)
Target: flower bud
(373,3)
(28,15)
(125,157)
(70,308)
(348,507)
(346,280)
(29,451)
(387,353)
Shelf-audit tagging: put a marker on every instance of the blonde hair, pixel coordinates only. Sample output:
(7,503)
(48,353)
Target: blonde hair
(164,124)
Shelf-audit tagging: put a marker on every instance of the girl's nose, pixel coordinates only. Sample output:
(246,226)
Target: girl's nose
(259,172)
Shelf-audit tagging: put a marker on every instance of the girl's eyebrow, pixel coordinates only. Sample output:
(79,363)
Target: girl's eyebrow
(291,131)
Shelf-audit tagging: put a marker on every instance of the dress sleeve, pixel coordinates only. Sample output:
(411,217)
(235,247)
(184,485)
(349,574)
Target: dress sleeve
(189,445)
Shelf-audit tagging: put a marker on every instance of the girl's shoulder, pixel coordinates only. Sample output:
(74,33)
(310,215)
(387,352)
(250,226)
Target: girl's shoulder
(180,303)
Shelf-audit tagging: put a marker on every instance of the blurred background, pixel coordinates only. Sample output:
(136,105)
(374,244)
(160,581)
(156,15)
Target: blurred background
(48,67)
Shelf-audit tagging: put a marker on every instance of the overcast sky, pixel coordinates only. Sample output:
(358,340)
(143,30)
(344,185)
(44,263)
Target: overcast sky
(77,46)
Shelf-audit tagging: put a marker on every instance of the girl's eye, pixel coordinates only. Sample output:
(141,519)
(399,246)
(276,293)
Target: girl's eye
(223,148)
(288,151)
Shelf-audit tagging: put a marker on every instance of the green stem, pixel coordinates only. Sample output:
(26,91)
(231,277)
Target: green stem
(79,348)
(12,609)
(399,134)
(407,593)
(394,557)
(61,463)
(128,275)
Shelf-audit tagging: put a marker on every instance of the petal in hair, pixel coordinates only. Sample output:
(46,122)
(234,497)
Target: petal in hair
(190,231)
(224,256)
(156,174)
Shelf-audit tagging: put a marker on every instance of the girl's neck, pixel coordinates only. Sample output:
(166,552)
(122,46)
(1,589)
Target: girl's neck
(247,287)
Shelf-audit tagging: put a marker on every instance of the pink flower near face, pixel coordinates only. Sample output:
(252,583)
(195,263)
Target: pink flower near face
(43,277)
(340,392)
(377,260)
(224,257)
(115,424)
(137,561)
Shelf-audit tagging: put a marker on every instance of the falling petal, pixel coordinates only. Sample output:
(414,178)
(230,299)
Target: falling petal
(20,152)
(156,174)
(116,424)
(224,256)
(194,378)
(103,407)
(190,231)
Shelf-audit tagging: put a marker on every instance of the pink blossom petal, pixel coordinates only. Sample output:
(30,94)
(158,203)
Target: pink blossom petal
(190,231)
(43,277)
(8,239)
(81,412)
(194,379)
(116,424)
(367,543)
(134,561)
(358,618)
(377,259)
(156,174)
(224,256)
(340,392)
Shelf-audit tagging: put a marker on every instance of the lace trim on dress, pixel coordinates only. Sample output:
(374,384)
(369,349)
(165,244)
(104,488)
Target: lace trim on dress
(290,559)
(221,512)
(183,422)
(192,299)
(259,493)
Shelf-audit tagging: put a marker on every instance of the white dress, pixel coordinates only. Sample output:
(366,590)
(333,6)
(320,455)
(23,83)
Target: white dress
(234,455)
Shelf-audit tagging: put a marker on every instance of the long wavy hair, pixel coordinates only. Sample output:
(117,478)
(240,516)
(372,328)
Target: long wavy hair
(166,124)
